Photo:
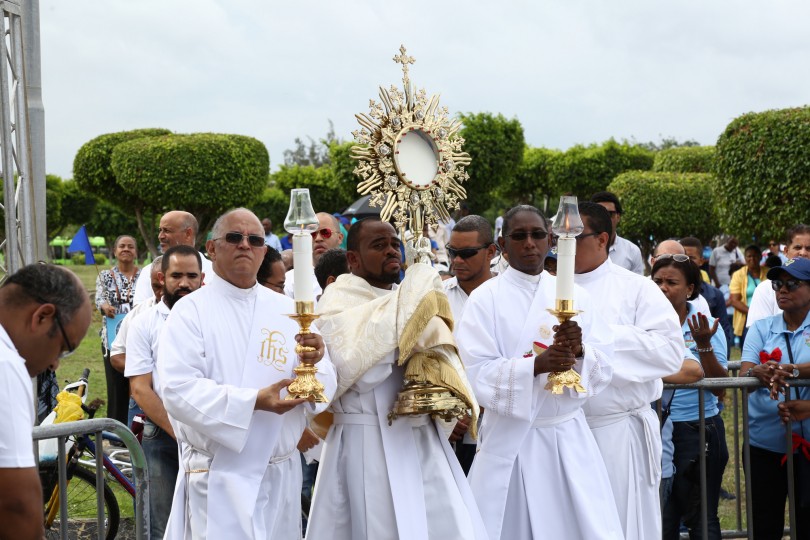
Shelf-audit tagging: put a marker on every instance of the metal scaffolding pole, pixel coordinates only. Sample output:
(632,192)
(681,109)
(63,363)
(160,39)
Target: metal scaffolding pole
(21,237)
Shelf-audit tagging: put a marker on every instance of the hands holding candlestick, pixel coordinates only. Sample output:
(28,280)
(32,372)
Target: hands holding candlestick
(563,353)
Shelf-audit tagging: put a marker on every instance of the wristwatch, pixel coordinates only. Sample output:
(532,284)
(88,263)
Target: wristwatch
(795,373)
(750,372)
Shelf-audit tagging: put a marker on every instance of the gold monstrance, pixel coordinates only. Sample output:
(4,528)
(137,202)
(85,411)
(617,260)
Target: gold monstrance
(411,162)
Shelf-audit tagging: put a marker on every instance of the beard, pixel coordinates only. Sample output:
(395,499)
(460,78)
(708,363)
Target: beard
(390,278)
(171,297)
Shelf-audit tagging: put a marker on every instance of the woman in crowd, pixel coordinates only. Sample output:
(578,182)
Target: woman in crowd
(771,343)
(115,289)
(741,289)
(680,280)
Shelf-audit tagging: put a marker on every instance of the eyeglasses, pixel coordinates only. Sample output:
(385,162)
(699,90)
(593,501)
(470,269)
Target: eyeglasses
(581,236)
(791,284)
(236,238)
(676,257)
(520,236)
(326,234)
(71,348)
(464,253)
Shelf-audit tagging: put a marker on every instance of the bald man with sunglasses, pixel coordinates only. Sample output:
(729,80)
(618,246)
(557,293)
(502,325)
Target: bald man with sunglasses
(328,236)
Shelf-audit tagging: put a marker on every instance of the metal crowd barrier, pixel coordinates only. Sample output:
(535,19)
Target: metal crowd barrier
(97,426)
(738,385)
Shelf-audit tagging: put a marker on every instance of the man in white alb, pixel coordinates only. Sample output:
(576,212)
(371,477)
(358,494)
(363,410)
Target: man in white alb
(180,274)
(470,252)
(225,354)
(378,480)
(648,345)
(176,228)
(538,472)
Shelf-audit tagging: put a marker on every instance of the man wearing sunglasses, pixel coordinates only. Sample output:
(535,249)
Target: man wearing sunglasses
(537,457)
(176,228)
(225,354)
(648,345)
(328,236)
(470,251)
(44,314)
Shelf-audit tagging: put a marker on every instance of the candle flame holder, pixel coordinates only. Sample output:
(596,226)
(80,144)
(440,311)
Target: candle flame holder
(564,311)
(305,385)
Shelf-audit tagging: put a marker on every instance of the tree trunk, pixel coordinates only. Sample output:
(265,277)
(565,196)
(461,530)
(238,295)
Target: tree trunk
(147,233)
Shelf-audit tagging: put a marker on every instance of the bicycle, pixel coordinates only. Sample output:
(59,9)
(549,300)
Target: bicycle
(81,489)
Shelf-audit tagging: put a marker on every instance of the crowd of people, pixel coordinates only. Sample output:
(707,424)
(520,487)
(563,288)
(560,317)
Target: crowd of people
(199,350)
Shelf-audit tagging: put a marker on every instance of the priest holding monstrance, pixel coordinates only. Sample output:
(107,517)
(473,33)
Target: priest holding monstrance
(387,470)
(538,472)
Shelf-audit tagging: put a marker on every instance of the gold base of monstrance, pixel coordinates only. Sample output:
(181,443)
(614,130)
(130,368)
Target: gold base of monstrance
(564,311)
(417,398)
(305,385)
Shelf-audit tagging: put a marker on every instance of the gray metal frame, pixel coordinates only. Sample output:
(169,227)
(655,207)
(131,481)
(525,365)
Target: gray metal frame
(738,384)
(15,154)
(139,467)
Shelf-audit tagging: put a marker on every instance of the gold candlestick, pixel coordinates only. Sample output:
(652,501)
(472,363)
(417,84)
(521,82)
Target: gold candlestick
(305,385)
(557,380)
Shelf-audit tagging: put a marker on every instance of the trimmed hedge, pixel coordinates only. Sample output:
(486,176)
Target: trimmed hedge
(763,172)
(696,159)
(532,182)
(204,173)
(584,170)
(92,169)
(661,205)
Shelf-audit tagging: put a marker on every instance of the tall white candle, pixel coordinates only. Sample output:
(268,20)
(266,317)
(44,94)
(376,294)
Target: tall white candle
(566,253)
(303,271)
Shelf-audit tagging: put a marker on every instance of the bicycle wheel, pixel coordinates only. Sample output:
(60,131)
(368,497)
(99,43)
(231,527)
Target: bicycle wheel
(82,505)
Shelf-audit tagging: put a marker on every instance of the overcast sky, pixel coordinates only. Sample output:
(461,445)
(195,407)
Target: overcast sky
(572,71)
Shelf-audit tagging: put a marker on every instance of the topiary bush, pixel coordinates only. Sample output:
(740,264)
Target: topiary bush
(697,159)
(763,172)
(584,170)
(203,173)
(661,205)
(92,167)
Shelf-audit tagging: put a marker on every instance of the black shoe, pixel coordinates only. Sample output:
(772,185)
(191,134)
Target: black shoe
(726,495)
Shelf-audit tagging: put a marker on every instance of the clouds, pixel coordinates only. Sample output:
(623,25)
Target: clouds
(573,72)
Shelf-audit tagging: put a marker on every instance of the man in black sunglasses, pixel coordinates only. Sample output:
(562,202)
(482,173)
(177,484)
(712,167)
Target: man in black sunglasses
(510,344)
(622,251)
(224,360)
(469,252)
(44,314)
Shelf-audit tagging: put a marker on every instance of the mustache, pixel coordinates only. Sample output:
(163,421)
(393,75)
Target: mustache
(181,290)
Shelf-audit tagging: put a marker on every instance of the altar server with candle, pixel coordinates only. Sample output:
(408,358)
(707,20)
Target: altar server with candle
(226,354)
(538,472)
(648,345)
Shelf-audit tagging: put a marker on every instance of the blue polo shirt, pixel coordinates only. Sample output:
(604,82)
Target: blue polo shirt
(686,401)
(766,429)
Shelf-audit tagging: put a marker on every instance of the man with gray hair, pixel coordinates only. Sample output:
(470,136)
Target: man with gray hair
(176,228)
(225,355)
(44,314)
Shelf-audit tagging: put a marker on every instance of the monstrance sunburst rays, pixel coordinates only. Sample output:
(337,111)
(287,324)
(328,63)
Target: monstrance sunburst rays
(398,114)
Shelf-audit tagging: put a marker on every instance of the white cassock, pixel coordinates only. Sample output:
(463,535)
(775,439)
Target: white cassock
(240,475)
(538,472)
(648,344)
(381,481)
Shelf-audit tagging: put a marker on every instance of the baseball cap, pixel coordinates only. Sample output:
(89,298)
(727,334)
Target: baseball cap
(798,268)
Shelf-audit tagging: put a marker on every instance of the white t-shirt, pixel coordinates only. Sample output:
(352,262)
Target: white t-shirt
(763,303)
(721,259)
(17,420)
(142,344)
(119,344)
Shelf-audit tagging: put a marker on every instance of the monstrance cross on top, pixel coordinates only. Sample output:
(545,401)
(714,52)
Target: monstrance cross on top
(404,59)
